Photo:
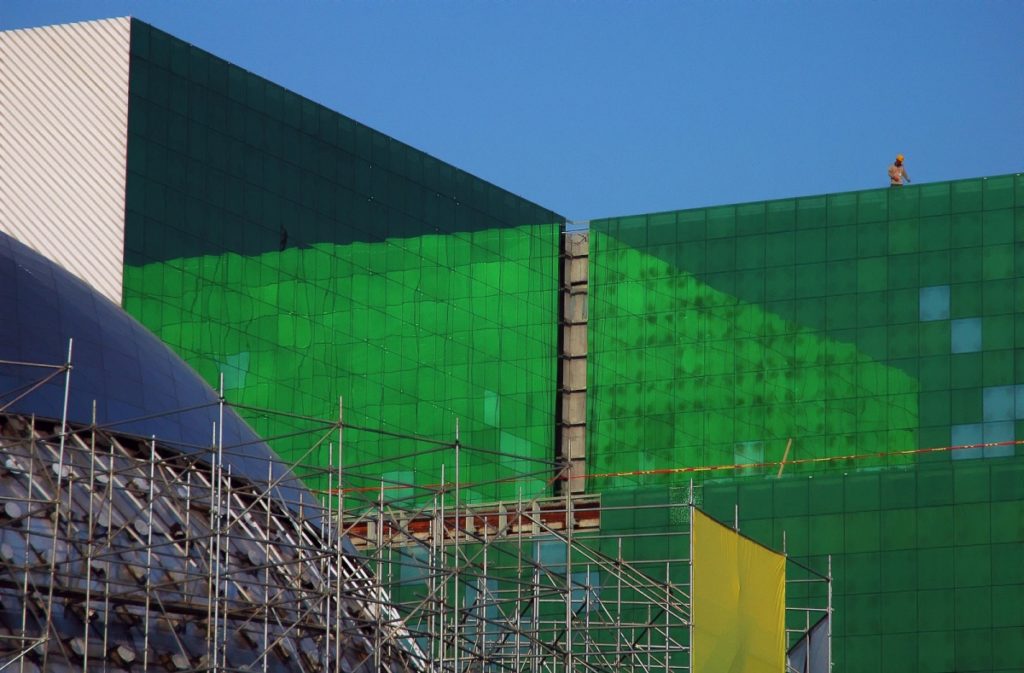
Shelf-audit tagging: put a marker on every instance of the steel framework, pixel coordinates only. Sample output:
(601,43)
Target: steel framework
(123,553)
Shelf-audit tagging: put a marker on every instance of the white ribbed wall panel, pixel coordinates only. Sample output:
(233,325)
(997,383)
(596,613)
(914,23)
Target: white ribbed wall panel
(63,138)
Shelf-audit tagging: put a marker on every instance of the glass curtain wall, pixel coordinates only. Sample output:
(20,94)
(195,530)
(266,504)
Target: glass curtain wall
(856,329)
(309,258)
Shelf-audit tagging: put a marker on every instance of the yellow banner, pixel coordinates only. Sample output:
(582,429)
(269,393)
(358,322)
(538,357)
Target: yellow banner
(739,602)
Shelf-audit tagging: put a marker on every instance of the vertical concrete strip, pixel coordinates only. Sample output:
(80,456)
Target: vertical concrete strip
(63,142)
(573,402)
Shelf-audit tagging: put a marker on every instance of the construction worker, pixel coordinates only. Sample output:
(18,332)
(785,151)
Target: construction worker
(897,173)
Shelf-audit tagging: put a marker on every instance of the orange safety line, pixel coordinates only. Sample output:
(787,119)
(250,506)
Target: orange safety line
(695,468)
(798,461)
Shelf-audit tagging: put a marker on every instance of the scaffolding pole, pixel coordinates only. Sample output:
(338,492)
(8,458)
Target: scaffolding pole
(189,564)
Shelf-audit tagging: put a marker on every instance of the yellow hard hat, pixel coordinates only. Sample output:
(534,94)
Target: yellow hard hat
(899,157)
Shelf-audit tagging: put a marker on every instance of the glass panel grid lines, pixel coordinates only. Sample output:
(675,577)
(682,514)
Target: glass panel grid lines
(309,258)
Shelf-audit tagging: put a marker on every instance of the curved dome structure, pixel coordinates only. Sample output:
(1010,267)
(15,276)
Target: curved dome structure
(121,554)
(128,544)
(138,384)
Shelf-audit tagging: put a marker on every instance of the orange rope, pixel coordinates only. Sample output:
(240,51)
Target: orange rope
(698,468)
(798,461)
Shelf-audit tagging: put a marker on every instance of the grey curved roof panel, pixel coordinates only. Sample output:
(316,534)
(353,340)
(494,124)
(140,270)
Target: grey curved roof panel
(139,385)
(138,529)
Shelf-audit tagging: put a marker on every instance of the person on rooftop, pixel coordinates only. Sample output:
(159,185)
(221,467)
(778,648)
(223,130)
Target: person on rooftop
(898,173)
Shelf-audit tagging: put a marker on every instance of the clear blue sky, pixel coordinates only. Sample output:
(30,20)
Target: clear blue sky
(606,108)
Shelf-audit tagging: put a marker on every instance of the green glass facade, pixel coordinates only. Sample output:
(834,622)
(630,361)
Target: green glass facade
(855,325)
(928,563)
(308,257)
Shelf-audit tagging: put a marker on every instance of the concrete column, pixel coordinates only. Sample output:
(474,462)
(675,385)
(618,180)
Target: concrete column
(572,445)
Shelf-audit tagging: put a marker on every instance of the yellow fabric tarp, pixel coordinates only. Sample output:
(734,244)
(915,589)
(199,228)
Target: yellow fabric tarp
(739,602)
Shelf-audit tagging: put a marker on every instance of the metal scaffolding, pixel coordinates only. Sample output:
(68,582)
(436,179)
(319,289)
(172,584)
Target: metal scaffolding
(550,585)
(125,553)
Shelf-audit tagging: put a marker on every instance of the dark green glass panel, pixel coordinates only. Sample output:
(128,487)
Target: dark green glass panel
(308,258)
(967,195)
(862,296)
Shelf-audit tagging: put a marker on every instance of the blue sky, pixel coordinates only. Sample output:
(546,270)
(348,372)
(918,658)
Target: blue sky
(596,109)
